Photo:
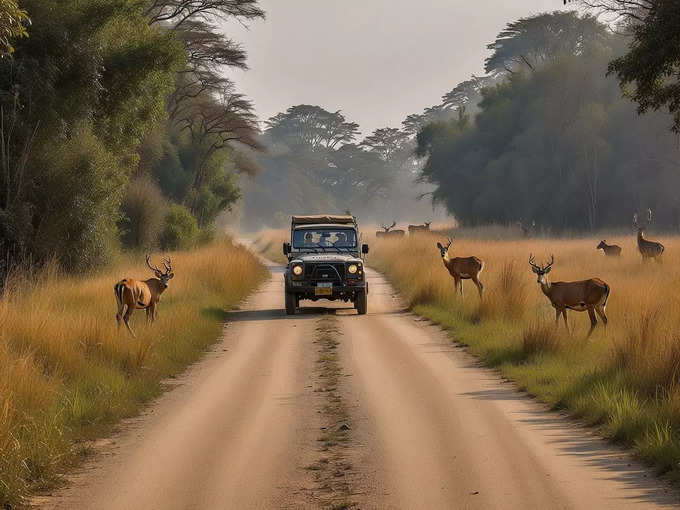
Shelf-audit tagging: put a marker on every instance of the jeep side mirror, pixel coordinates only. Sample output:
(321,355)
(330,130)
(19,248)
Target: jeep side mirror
(364,249)
(286,248)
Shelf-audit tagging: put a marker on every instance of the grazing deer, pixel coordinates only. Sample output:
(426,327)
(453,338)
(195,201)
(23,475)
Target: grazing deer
(414,229)
(388,232)
(610,250)
(143,295)
(587,295)
(462,268)
(648,249)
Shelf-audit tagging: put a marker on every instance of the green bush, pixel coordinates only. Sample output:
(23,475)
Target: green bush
(181,229)
(144,209)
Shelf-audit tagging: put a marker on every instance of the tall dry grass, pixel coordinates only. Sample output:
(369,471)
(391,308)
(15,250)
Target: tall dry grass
(67,372)
(513,328)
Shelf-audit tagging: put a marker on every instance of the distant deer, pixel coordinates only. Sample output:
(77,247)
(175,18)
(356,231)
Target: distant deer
(527,230)
(648,249)
(587,295)
(610,250)
(388,232)
(143,295)
(462,268)
(414,229)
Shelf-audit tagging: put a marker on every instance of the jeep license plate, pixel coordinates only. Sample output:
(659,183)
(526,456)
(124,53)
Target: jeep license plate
(324,289)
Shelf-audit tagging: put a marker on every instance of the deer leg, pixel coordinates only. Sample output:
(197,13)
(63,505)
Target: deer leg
(148,315)
(566,324)
(600,311)
(457,285)
(593,321)
(479,285)
(153,313)
(126,319)
(557,317)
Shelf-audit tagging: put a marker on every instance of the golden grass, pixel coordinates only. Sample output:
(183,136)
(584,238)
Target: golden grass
(67,372)
(269,243)
(625,380)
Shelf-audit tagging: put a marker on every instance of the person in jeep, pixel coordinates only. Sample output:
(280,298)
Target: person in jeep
(324,262)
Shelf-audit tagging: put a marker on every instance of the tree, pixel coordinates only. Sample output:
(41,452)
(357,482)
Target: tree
(177,12)
(312,126)
(13,21)
(528,42)
(388,143)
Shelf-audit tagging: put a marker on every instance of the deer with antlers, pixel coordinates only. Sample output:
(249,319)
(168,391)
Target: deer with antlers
(648,249)
(587,295)
(143,295)
(416,229)
(462,268)
(388,232)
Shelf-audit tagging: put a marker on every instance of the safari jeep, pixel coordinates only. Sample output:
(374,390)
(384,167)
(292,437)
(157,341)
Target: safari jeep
(324,262)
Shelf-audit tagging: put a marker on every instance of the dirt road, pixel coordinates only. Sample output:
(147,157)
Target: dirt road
(429,429)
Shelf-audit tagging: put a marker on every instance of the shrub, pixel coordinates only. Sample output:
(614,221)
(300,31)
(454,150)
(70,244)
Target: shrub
(145,209)
(181,229)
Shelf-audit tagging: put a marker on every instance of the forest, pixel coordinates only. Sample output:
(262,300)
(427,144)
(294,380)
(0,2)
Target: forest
(119,127)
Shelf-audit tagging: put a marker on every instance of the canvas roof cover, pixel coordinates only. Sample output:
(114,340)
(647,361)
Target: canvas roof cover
(324,219)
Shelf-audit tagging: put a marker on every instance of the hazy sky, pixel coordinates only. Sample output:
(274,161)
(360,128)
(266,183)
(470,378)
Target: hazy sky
(376,60)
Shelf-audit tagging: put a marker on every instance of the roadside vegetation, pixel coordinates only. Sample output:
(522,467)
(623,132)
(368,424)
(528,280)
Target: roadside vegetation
(624,381)
(269,243)
(68,374)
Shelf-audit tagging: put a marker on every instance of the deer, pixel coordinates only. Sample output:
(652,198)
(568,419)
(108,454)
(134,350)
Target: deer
(588,295)
(648,249)
(414,229)
(143,295)
(462,268)
(388,232)
(610,250)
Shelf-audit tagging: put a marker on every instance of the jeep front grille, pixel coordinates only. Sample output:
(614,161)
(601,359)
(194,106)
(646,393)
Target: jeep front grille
(325,272)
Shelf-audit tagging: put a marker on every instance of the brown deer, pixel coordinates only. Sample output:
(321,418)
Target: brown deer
(415,229)
(143,295)
(462,268)
(587,295)
(648,249)
(388,232)
(610,250)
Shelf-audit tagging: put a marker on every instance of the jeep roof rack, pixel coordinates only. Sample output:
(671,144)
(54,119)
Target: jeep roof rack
(338,219)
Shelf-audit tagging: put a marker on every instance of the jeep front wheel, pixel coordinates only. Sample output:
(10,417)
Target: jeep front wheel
(291,303)
(361,302)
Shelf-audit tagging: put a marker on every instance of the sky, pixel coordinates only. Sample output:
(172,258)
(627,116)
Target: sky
(376,60)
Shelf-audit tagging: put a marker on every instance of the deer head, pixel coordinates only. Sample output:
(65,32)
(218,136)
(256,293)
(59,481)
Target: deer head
(642,228)
(164,277)
(444,249)
(541,271)
(387,229)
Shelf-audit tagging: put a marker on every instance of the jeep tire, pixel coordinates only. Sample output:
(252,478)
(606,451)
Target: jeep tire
(361,302)
(291,303)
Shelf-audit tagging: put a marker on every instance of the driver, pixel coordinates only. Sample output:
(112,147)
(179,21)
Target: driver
(308,239)
(341,239)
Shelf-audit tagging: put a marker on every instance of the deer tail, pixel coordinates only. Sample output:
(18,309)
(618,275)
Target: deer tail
(118,291)
(606,295)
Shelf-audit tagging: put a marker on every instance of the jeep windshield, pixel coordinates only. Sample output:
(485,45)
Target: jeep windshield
(325,239)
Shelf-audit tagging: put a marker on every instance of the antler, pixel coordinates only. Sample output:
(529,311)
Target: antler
(531,261)
(635,219)
(168,265)
(153,268)
(394,224)
(649,216)
(450,243)
(552,261)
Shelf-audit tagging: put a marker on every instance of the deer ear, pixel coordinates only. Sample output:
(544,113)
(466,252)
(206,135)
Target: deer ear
(171,276)
(547,270)
(439,245)
(534,270)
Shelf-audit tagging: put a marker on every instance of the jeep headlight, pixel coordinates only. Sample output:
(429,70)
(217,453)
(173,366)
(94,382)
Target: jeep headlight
(297,270)
(352,269)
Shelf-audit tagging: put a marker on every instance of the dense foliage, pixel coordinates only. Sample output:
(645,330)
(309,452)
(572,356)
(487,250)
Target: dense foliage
(105,91)
(555,142)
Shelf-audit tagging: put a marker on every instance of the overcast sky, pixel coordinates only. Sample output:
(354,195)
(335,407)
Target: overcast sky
(376,60)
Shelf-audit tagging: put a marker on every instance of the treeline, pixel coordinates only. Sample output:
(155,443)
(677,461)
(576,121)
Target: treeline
(555,141)
(117,126)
